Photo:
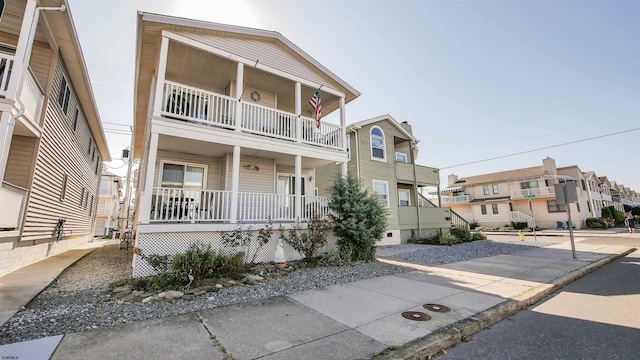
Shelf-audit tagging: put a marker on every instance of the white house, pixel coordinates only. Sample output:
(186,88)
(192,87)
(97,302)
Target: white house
(226,134)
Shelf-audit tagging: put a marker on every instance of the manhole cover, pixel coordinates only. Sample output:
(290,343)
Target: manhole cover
(416,315)
(437,308)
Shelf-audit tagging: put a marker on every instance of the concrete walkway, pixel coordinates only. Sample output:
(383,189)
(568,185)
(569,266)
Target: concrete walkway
(359,320)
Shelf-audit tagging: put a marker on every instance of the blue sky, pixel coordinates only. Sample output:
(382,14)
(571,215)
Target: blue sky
(475,79)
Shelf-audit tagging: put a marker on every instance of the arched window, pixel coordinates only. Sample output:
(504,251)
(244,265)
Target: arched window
(377,144)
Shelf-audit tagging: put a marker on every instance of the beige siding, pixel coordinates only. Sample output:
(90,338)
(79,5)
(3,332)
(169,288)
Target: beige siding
(502,218)
(20,161)
(326,175)
(271,53)
(40,63)
(261,181)
(212,163)
(62,151)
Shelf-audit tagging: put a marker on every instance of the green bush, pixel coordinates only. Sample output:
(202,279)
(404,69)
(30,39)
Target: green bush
(310,240)
(460,233)
(519,225)
(359,218)
(448,239)
(473,225)
(478,236)
(618,216)
(596,223)
(606,213)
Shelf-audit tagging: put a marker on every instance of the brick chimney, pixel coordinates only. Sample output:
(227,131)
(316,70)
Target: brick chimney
(549,165)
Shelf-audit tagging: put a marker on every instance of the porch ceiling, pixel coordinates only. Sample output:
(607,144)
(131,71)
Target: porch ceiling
(182,145)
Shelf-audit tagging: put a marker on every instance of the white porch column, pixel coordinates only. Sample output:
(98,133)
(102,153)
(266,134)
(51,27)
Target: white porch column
(298,188)
(146,195)
(298,109)
(343,131)
(235,182)
(239,89)
(162,69)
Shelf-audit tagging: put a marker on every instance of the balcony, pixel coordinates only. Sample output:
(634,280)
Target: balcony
(424,175)
(13,199)
(172,205)
(546,191)
(198,106)
(595,195)
(454,200)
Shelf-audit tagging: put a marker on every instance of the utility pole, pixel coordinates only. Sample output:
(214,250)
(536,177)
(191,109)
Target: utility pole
(124,223)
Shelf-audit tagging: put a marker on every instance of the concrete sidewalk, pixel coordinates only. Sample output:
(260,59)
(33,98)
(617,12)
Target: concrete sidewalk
(359,320)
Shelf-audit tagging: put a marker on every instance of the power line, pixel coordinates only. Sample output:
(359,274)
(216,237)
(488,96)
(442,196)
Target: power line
(542,148)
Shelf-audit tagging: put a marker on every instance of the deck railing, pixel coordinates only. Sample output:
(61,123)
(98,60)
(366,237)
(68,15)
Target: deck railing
(13,199)
(199,106)
(545,191)
(32,98)
(458,199)
(194,206)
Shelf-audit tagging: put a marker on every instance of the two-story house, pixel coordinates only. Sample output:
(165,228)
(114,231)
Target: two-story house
(108,211)
(226,133)
(519,195)
(382,155)
(51,140)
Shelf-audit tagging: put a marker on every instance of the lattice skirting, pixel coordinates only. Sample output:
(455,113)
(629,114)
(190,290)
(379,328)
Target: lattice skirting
(172,243)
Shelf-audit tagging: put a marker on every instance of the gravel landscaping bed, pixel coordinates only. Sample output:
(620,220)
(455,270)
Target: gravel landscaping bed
(80,300)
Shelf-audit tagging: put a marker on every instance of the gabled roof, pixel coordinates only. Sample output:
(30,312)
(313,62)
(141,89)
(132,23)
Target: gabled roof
(503,176)
(357,125)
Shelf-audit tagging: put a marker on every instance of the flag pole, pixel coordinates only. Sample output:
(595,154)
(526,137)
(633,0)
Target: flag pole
(248,81)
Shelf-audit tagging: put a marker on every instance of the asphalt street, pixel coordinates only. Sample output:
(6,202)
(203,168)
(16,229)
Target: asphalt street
(596,317)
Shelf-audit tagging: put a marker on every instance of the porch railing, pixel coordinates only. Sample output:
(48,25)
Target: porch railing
(193,206)
(199,106)
(517,216)
(459,221)
(6,65)
(545,191)
(32,98)
(13,199)
(458,199)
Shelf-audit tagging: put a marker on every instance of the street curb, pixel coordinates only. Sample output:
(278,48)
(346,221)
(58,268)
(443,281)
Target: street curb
(462,330)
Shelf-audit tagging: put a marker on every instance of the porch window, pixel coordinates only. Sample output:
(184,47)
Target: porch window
(377,144)
(405,197)
(382,188)
(401,158)
(554,207)
(182,176)
(533,184)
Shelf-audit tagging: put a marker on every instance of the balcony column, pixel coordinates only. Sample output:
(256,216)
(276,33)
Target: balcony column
(343,134)
(298,109)
(161,73)
(412,145)
(235,182)
(298,188)
(239,89)
(146,194)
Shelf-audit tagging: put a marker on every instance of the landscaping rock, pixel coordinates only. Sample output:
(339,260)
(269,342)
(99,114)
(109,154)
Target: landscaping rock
(172,294)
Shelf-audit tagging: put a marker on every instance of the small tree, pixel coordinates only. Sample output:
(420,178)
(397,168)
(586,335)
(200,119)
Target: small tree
(359,218)
(606,213)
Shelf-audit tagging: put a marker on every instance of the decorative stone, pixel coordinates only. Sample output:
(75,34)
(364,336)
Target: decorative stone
(121,294)
(120,289)
(233,282)
(254,278)
(147,299)
(219,286)
(201,292)
(172,294)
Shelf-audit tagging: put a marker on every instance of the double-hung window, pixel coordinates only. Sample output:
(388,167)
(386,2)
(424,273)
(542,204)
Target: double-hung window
(377,144)
(382,189)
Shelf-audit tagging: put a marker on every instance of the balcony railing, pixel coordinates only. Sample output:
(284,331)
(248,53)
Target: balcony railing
(452,200)
(546,191)
(13,200)
(596,195)
(195,206)
(32,95)
(208,108)
(6,66)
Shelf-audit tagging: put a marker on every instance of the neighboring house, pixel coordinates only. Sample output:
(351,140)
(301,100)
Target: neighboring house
(225,133)
(528,194)
(51,140)
(382,155)
(108,211)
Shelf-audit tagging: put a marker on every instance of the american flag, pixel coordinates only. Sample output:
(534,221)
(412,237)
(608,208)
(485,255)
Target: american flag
(315,103)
